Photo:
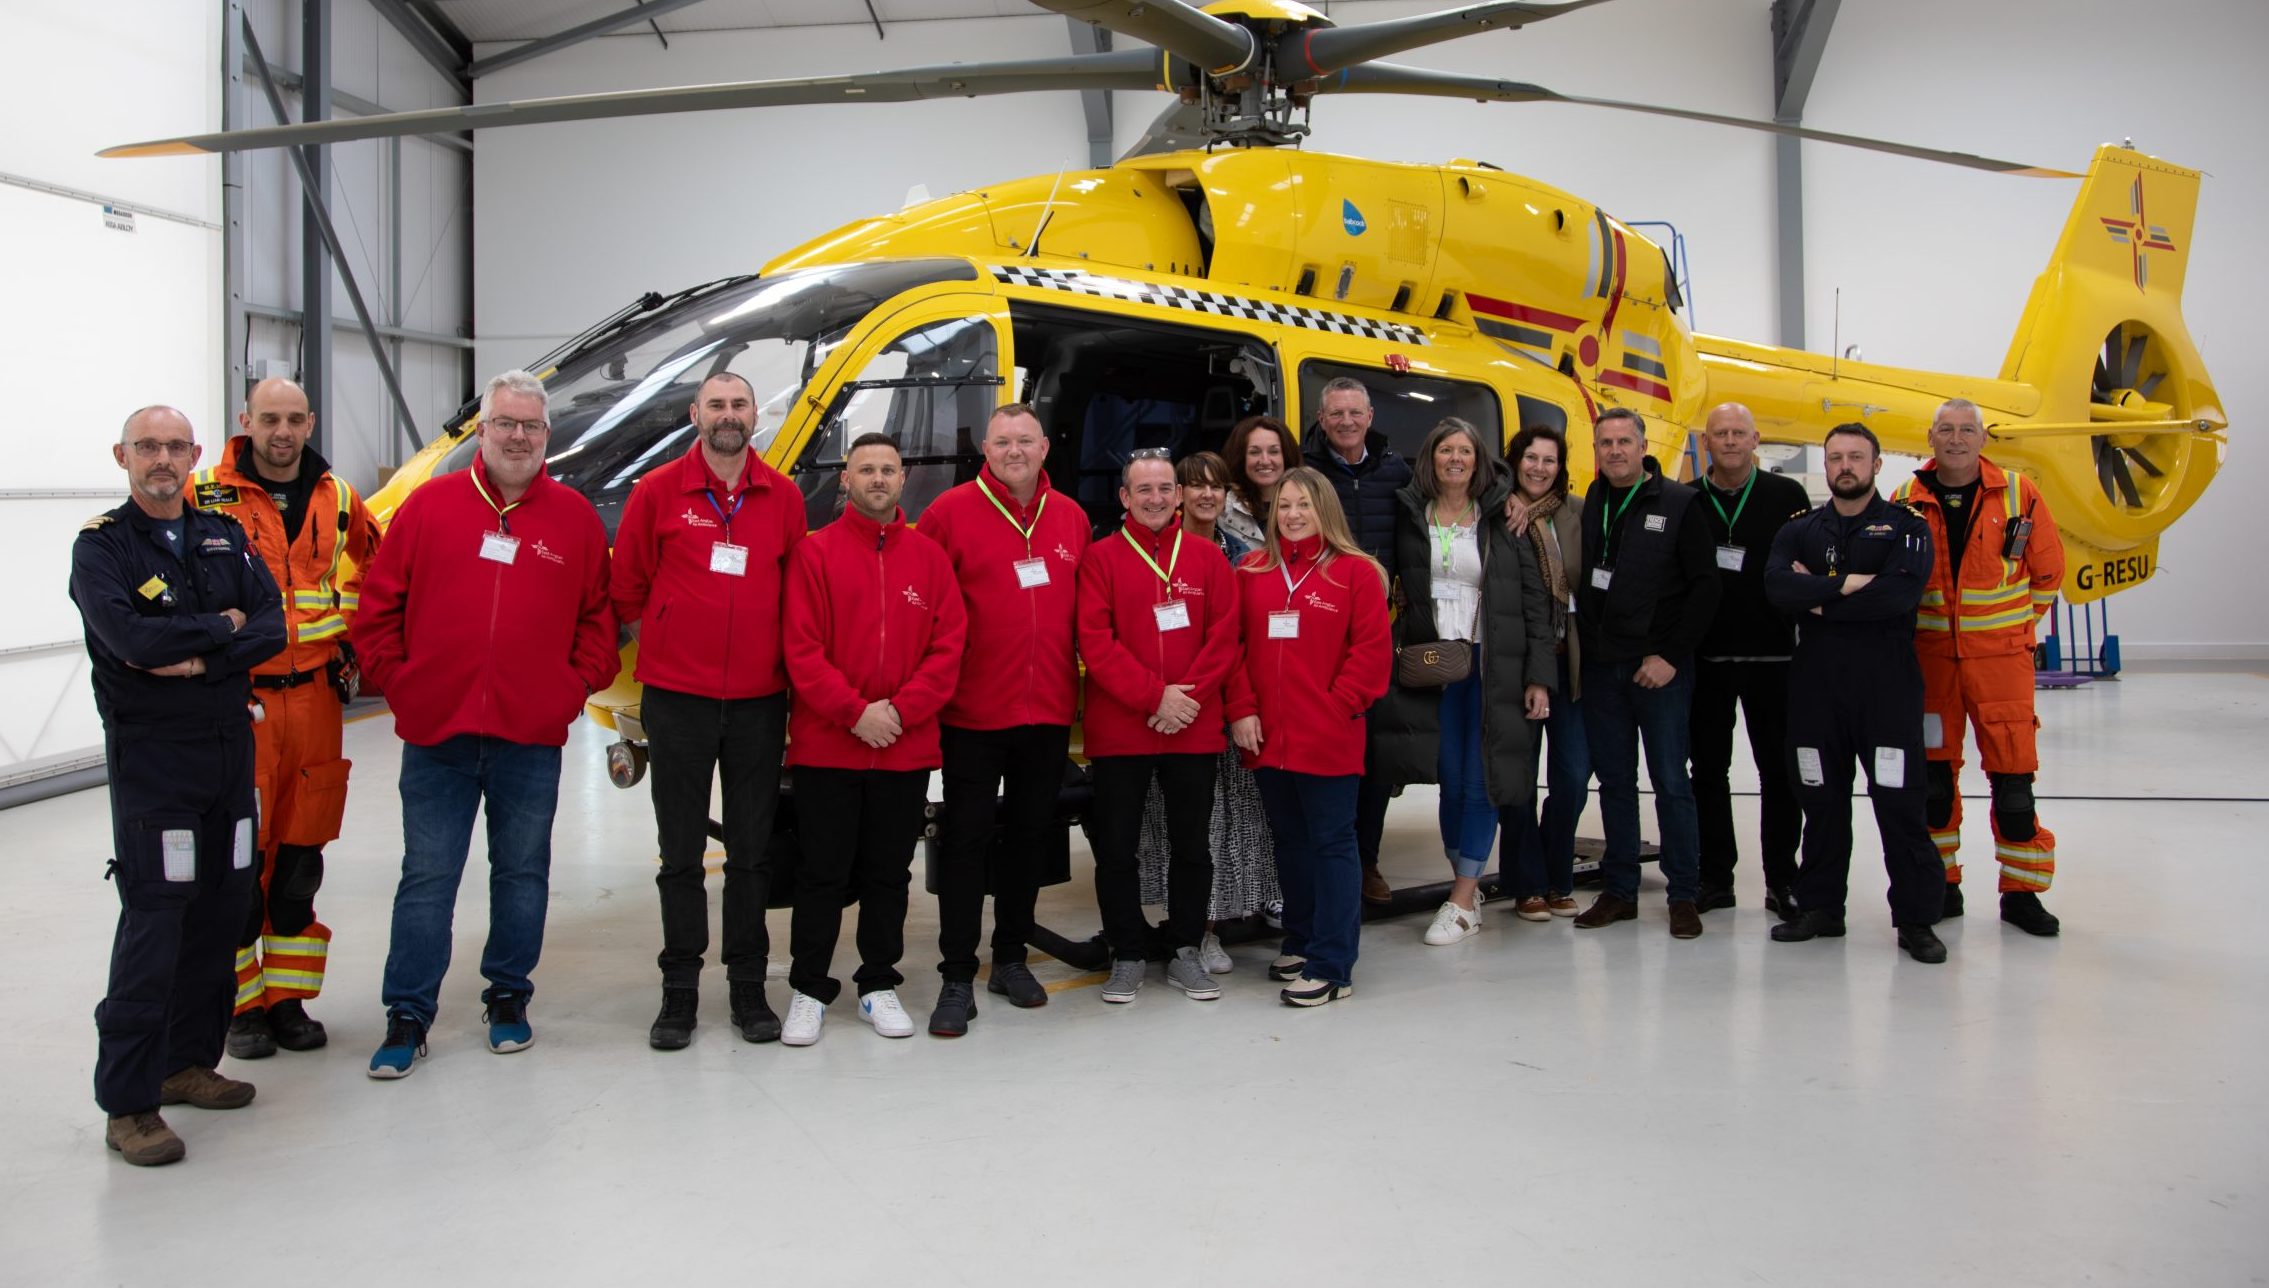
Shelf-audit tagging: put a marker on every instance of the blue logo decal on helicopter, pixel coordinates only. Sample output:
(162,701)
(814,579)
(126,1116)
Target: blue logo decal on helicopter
(1352,218)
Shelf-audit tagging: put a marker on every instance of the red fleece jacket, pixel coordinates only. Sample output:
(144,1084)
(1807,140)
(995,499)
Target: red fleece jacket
(1130,661)
(461,644)
(1018,669)
(707,632)
(1311,691)
(873,614)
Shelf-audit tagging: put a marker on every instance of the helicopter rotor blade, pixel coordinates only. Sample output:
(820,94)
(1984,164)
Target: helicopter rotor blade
(1388,78)
(1180,29)
(1324,50)
(1131,69)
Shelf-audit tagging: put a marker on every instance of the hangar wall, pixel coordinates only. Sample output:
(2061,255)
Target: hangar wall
(102,321)
(1934,263)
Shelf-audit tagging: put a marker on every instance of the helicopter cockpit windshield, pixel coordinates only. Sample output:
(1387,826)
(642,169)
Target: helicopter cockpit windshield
(620,407)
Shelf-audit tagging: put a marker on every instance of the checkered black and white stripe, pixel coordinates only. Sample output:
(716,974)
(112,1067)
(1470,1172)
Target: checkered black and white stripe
(1080,282)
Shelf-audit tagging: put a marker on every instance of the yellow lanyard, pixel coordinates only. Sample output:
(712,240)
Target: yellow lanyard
(503,512)
(1448,539)
(1021,530)
(1172,561)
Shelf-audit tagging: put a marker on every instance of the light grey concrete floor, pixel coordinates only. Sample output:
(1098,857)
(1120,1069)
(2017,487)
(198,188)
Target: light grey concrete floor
(1535,1105)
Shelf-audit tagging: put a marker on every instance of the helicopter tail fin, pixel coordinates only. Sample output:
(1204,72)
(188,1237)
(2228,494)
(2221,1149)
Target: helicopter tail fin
(2128,430)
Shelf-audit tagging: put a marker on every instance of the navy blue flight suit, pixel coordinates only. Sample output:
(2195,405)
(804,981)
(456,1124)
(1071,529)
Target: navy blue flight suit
(182,812)
(1855,692)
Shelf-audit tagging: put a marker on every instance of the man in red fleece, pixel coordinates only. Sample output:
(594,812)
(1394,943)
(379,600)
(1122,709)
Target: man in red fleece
(1015,543)
(701,558)
(1158,632)
(873,635)
(485,622)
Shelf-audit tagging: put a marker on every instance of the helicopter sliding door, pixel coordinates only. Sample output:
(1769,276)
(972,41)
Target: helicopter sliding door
(928,379)
(1106,384)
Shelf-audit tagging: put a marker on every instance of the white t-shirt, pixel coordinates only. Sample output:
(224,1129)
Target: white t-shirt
(1457,585)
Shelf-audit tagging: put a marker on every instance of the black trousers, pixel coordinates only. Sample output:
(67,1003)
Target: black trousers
(1760,689)
(1018,773)
(858,828)
(1115,827)
(689,740)
(1372,796)
(186,859)
(1861,699)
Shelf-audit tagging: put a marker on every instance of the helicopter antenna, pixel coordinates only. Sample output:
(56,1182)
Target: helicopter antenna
(1047,208)
(1836,337)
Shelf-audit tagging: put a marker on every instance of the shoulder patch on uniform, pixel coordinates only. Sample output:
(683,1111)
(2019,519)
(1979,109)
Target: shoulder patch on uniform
(1909,507)
(1801,513)
(97,523)
(213,494)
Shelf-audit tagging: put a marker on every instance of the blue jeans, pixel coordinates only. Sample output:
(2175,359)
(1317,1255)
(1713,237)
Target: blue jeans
(442,786)
(1617,715)
(1469,821)
(1313,818)
(1543,849)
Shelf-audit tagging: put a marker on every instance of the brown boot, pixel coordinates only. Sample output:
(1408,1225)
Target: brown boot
(1375,887)
(206,1089)
(1606,910)
(143,1139)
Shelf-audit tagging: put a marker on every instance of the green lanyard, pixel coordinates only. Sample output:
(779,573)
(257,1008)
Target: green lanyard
(1173,561)
(1608,521)
(1448,539)
(1738,506)
(1021,530)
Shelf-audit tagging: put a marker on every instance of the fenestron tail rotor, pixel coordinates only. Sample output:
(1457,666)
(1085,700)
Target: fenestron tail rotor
(2128,373)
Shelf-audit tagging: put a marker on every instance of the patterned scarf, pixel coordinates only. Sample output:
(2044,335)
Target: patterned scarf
(1547,543)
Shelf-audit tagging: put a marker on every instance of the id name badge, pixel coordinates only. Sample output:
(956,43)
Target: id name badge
(1731,558)
(1890,767)
(1602,578)
(1173,615)
(1284,626)
(501,547)
(728,559)
(1031,572)
(1446,589)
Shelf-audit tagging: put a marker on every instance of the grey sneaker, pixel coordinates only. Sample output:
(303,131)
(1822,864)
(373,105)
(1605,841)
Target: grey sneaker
(1189,974)
(1125,981)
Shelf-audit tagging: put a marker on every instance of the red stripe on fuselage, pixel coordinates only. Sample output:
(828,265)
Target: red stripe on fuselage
(1638,384)
(1522,313)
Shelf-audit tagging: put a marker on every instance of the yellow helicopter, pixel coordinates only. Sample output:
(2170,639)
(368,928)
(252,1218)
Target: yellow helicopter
(1216,271)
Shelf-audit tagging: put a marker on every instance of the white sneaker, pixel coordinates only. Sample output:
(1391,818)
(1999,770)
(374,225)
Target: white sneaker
(1216,958)
(882,1010)
(1453,924)
(805,1014)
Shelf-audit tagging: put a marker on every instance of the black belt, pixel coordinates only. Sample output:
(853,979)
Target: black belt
(290,681)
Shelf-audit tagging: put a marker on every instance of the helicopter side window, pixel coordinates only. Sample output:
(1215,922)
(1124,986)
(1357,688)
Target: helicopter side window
(931,391)
(1536,411)
(1404,407)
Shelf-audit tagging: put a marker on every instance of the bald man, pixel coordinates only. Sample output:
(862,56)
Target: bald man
(1743,663)
(177,614)
(315,536)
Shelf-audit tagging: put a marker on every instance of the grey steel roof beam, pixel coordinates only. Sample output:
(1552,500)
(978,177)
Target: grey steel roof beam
(429,43)
(576,35)
(1087,38)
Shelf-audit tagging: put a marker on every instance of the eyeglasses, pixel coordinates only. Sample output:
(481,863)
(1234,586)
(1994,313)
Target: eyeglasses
(149,449)
(1150,454)
(508,426)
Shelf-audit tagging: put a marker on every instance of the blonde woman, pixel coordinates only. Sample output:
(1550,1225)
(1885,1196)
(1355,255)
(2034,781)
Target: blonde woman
(1317,655)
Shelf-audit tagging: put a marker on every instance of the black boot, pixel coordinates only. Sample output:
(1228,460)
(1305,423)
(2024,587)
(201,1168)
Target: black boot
(1781,902)
(2022,909)
(1810,925)
(1923,944)
(295,1030)
(1953,901)
(752,1015)
(673,1028)
(249,1038)
(957,1005)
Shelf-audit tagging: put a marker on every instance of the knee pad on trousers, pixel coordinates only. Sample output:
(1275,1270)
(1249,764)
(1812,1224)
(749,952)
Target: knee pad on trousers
(2013,815)
(1938,784)
(292,887)
(255,916)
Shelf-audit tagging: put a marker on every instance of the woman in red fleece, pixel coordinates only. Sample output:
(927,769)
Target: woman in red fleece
(1317,655)
(872,637)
